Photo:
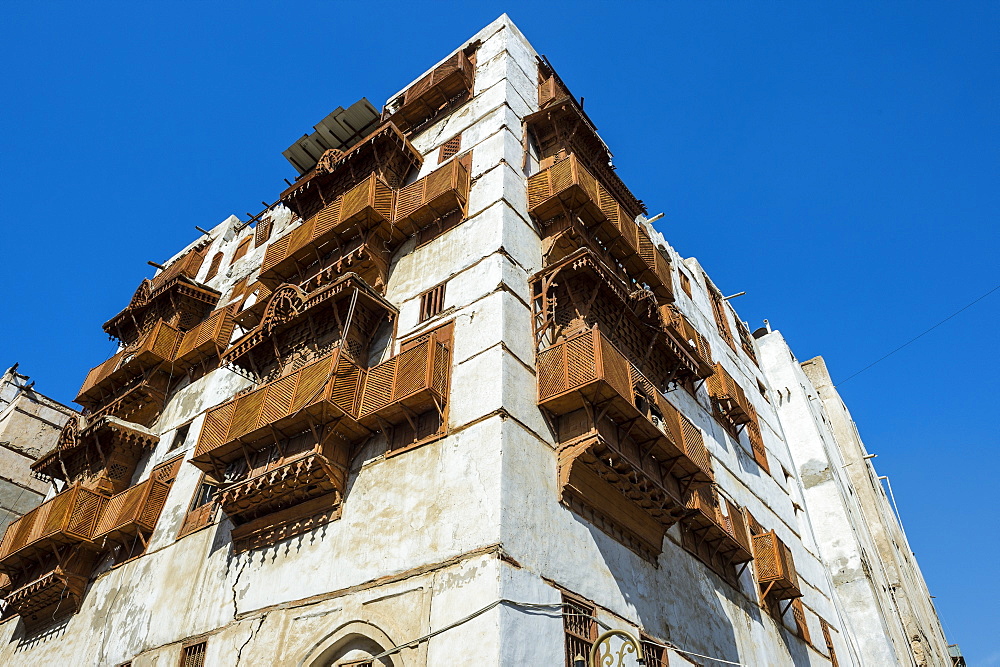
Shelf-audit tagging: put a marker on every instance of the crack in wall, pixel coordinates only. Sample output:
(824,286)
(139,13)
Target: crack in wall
(253,633)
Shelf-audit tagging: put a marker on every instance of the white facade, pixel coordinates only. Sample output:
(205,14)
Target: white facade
(459,550)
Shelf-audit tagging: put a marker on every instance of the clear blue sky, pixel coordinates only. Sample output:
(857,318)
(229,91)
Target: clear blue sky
(839,163)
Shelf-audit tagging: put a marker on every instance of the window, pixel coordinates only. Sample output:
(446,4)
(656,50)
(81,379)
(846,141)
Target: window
(799,613)
(202,508)
(432,302)
(241,249)
(263,231)
(193,655)
(721,319)
(450,148)
(180,436)
(213,268)
(654,654)
(685,283)
(763,390)
(580,628)
(829,641)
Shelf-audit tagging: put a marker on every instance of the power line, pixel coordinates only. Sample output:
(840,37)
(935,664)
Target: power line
(915,338)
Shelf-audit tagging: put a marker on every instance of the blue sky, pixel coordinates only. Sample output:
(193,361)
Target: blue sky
(838,161)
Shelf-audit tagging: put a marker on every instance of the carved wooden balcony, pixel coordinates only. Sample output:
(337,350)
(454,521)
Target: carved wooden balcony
(366,207)
(724,534)
(206,341)
(172,295)
(412,382)
(610,479)
(586,372)
(323,393)
(450,80)
(444,190)
(56,592)
(132,513)
(728,398)
(102,450)
(568,188)
(153,349)
(385,154)
(302,479)
(69,518)
(685,340)
(775,568)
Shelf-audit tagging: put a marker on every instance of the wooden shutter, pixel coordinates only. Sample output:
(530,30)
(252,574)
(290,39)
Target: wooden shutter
(721,320)
(829,641)
(241,249)
(263,231)
(685,283)
(213,268)
(799,613)
(432,302)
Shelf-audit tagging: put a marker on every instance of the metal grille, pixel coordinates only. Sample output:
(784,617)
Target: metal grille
(194,655)
(653,655)
(450,148)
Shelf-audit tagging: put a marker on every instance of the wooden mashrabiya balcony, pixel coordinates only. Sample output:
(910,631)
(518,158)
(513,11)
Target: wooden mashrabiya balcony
(421,101)
(69,518)
(686,341)
(207,340)
(568,188)
(728,397)
(444,190)
(322,393)
(132,513)
(365,208)
(586,371)
(413,382)
(775,568)
(58,591)
(725,533)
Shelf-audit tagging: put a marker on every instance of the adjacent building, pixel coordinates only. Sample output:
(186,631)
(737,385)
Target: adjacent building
(453,400)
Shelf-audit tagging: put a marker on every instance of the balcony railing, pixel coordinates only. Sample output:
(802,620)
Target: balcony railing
(725,533)
(68,518)
(153,348)
(412,382)
(367,205)
(208,339)
(58,591)
(588,369)
(685,340)
(322,392)
(569,186)
(728,397)
(775,569)
(426,97)
(291,483)
(132,512)
(440,192)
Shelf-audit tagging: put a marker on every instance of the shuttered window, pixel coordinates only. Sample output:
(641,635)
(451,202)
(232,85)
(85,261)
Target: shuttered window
(580,629)
(213,268)
(450,148)
(801,627)
(263,231)
(202,508)
(685,283)
(721,319)
(241,249)
(829,642)
(653,653)
(194,655)
(432,302)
